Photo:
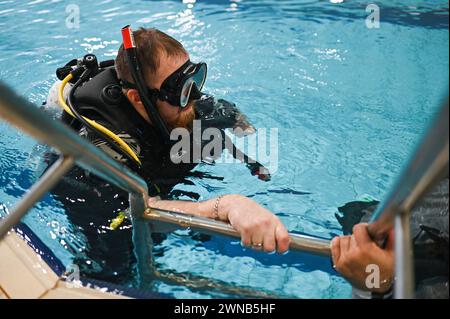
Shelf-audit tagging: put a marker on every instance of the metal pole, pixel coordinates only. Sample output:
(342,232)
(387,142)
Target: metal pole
(404,266)
(142,241)
(304,243)
(33,121)
(35,193)
(19,112)
(428,164)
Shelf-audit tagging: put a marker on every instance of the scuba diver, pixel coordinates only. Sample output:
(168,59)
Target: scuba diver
(127,108)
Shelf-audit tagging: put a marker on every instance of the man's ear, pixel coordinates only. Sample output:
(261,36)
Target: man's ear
(135,100)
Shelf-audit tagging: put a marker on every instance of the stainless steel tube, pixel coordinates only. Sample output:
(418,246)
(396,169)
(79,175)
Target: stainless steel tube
(18,111)
(27,117)
(35,193)
(309,244)
(428,164)
(404,266)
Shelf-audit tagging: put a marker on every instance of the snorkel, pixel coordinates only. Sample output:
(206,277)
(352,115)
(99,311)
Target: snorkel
(133,64)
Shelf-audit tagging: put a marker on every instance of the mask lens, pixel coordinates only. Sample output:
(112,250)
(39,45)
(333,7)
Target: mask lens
(186,92)
(198,78)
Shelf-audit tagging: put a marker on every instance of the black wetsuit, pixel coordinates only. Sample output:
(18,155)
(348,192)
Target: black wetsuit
(91,203)
(430,233)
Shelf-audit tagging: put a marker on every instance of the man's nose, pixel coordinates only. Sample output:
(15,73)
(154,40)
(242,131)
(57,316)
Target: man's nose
(195,93)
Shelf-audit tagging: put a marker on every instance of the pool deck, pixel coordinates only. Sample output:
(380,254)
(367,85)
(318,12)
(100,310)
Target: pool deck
(24,275)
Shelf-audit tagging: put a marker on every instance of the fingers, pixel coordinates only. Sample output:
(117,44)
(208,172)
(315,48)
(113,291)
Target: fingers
(390,241)
(260,171)
(276,237)
(263,174)
(353,243)
(344,244)
(269,236)
(246,237)
(340,247)
(282,238)
(258,240)
(259,228)
(361,234)
(153,200)
(269,240)
(362,237)
(335,250)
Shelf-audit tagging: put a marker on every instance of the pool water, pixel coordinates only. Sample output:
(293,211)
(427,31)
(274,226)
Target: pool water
(349,103)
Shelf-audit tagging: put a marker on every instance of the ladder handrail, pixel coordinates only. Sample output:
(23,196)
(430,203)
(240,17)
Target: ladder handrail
(428,163)
(33,121)
(19,112)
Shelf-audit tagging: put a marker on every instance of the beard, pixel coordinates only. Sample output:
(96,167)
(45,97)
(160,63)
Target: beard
(186,118)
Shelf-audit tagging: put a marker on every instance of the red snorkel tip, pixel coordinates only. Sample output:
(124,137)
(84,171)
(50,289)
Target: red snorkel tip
(128,39)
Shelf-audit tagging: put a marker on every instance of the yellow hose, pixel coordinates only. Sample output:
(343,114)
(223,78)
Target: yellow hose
(94,124)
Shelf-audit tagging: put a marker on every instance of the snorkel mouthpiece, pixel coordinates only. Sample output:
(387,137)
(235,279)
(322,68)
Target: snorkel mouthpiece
(130,52)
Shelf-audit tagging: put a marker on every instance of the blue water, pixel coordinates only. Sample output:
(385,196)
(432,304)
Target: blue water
(349,103)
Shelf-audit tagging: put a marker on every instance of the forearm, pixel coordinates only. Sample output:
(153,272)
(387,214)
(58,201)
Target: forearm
(216,208)
(257,226)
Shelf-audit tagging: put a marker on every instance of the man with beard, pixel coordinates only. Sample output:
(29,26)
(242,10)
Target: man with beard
(113,99)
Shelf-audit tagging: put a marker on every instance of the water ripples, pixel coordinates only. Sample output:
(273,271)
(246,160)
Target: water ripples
(346,100)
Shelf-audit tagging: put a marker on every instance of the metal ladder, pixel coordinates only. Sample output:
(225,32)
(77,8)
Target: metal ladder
(428,163)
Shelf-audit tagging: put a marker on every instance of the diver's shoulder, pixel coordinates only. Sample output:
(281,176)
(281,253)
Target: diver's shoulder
(52,100)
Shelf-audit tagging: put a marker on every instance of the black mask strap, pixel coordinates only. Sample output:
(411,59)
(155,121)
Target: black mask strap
(133,64)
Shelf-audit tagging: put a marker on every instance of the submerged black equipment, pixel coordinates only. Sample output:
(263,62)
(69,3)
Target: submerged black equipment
(78,72)
(133,64)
